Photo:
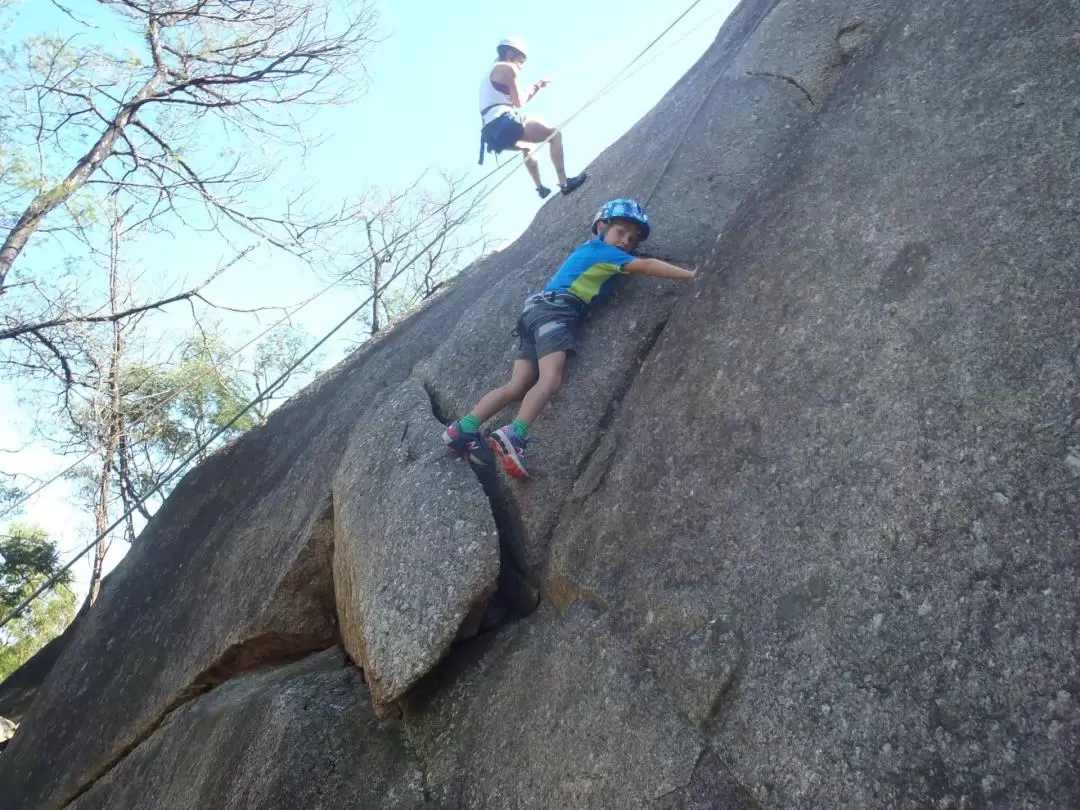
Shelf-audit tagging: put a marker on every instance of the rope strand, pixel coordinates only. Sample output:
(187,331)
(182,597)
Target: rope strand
(623,75)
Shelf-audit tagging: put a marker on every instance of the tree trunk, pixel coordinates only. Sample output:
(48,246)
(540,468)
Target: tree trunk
(376,277)
(111,421)
(48,201)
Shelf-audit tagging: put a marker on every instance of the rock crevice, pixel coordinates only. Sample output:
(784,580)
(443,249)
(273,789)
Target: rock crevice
(251,655)
(778,520)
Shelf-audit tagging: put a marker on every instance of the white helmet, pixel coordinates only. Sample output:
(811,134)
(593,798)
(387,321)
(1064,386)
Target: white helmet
(517,43)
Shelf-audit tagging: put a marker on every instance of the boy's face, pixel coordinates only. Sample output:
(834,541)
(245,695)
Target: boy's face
(623,234)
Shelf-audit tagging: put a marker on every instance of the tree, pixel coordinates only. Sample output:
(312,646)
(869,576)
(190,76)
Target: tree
(27,560)
(135,414)
(9,493)
(130,121)
(26,554)
(148,418)
(168,132)
(419,238)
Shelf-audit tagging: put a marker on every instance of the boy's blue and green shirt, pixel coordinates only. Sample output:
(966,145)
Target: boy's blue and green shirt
(590,271)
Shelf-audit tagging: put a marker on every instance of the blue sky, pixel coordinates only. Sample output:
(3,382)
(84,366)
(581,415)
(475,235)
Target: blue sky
(419,113)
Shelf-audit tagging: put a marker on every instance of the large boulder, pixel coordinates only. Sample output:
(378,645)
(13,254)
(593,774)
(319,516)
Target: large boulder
(842,520)
(300,736)
(235,571)
(416,551)
(805,529)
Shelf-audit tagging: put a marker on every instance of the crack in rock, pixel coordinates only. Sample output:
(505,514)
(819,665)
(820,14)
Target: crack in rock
(440,409)
(516,594)
(770,75)
(599,457)
(271,648)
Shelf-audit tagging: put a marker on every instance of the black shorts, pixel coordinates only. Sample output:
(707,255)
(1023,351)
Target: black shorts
(547,326)
(503,132)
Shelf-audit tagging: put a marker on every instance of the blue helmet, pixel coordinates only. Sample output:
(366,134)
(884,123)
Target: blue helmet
(623,209)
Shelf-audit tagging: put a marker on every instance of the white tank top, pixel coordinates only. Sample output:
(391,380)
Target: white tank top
(490,97)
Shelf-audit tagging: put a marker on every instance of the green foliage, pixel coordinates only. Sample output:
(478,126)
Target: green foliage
(9,494)
(27,560)
(171,410)
(26,554)
(208,388)
(46,618)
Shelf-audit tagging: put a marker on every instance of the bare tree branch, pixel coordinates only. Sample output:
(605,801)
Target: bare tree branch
(415,237)
(248,64)
(47,201)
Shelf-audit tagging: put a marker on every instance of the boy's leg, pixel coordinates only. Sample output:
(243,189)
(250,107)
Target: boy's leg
(508,442)
(521,380)
(463,436)
(552,371)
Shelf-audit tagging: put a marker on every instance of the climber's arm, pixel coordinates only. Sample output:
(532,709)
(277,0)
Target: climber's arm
(657,268)
(508,75)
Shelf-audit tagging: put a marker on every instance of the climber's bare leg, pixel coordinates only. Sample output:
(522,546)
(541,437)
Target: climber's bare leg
(521,380)
(552,371)
(531,163)
(537,132)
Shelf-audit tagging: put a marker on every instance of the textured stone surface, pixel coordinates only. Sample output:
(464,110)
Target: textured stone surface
(858,475)
(416,553)
(806,529)
(686,169)
(233,571)
(551,712)
(809,45)
(17,691)
(296,737)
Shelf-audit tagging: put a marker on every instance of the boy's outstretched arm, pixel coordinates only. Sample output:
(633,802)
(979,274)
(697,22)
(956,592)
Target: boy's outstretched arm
(655,267)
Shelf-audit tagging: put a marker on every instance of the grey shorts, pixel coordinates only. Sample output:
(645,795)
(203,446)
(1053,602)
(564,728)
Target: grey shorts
(546,327)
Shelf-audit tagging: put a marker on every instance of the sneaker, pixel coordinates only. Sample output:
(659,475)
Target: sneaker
(510,448)
(543,191)
(467,445)
(573,183)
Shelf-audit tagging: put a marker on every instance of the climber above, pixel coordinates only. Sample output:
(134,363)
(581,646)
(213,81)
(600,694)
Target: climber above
(503,127)
(545,331)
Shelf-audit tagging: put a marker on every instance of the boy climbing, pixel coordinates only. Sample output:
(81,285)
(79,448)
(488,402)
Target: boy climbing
(503,127)
(546,336)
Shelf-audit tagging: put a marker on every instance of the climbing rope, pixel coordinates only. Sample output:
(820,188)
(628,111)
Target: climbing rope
(616,45)
(168,397)
(623,75)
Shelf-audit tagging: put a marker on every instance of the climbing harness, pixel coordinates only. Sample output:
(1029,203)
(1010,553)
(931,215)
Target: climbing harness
(559,299)
(500,133)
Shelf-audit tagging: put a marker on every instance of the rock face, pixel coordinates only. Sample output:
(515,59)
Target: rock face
(416,552)
(247,753)
(554,713)
(804,531)
(17,691)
